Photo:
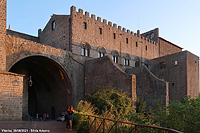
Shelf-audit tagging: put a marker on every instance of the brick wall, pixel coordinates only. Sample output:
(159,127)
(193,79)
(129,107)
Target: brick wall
(22,35)
(2,34)
(192,75)
(167,48)
(92,36)
(16,45)
(11,93)
(103,72)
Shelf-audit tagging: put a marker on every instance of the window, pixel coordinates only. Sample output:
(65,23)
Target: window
(115,58)
(126,62)
(137,62)
(85,52)
(162,65)
(152,35)
(114,35)
(176,63)
(53,25)
(85,25)
(100,54)
(173,84)
(100,30)
(101,51)
(136,44)
(126,40)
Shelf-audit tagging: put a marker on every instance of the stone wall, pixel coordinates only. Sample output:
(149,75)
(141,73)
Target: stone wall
(167,48)
(192,74)
(124,41)
(22,35)
(181,71)
(11,93)
(152,34)
(73,65)
(103,72)
(58,36)
(149,87)
(18,48)
(77,50)
(2,34)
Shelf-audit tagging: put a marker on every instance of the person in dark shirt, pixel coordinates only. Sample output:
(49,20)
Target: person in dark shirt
(70,112)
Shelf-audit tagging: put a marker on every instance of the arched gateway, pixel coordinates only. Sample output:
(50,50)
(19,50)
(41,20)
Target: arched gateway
(47,88)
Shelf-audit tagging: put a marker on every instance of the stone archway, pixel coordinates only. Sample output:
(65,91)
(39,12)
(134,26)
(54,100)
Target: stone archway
(47,88)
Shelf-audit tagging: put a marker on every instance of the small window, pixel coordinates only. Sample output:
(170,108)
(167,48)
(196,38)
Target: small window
(53,25)
(114,35)
(100,54)
(85,52)
(126,40)
(146,47)
(136,44)
(162,65)
(85,25)
(137,63)
(176,63)
(126,62)
(100,30)
(173,84)
(115,59)
(152,35)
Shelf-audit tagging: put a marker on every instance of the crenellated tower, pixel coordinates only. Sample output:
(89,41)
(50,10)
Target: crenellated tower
(3,5)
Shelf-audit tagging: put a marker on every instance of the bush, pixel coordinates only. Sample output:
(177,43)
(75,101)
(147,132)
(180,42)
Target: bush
(180,115)
(110,101)
(80,119)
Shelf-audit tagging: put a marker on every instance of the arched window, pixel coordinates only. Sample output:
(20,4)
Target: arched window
(85,49)
(115,56)
(53,25)
(127,60)
(152,35)
(146,63)
(137,62)
(101,51)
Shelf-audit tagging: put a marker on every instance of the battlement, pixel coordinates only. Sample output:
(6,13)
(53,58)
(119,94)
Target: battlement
(121,29)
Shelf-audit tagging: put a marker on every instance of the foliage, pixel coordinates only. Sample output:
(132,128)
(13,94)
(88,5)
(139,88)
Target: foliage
(80,119)
(110,103)
(183,116)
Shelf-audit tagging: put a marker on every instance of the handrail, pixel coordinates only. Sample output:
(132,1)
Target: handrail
(102,125)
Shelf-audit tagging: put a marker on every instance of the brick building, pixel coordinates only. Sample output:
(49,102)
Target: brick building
(77,53)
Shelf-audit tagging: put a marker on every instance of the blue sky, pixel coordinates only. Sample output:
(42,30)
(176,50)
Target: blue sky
(177,20)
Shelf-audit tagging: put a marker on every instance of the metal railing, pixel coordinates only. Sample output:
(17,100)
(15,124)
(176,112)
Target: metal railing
(98,124)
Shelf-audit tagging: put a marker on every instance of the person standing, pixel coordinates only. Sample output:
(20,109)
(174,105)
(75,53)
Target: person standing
(70,112)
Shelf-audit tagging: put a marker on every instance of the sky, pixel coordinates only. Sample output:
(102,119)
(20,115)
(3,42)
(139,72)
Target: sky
(178,20)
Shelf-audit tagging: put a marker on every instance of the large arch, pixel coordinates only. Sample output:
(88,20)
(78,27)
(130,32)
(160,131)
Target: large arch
(47,87)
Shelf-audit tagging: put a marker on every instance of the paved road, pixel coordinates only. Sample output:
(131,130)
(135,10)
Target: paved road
(33,127)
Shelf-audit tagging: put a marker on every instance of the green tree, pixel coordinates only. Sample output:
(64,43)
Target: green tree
(180,115)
